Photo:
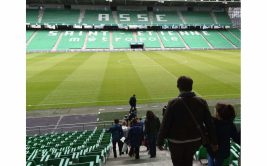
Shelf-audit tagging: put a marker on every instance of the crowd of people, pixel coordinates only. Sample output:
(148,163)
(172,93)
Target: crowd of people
(185,119)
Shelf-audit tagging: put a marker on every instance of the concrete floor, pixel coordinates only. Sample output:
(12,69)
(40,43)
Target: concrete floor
(163,159)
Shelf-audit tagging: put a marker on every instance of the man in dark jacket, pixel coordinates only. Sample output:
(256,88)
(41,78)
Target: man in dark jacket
(179,128)
(135,136)
(117,134)
(132,103)
(152,125)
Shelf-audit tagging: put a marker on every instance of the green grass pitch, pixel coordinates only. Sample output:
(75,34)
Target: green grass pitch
(68,80)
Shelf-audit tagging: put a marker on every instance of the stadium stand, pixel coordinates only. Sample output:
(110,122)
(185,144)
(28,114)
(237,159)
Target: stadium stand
(222,18)
(149,38)
(98,17)
(236,32)
(131,18)
(170,39)
(231,38)
(72,40)
(197,18)
(216,40)
(29,34)
(60,17)
(194,39)
(166,18)
(122,39)
(69,148)
(79,40)
(98,40)
(32,16)
(43,41)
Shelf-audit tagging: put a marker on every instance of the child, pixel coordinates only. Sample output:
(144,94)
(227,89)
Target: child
(225,129)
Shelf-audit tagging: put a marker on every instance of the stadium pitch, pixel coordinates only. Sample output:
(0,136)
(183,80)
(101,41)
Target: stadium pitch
(71,80)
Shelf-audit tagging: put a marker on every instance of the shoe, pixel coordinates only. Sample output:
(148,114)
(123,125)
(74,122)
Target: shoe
(152,156)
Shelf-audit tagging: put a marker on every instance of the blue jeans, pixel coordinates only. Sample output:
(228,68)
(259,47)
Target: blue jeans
(215,161)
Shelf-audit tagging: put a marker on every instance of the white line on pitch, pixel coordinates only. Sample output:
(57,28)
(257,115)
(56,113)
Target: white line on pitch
(154,106)
(110,101)
(119,108)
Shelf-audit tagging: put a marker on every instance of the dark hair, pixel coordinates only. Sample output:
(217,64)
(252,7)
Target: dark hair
(225,111)
(134,121)
(184,83)
(116,121)
(150,115)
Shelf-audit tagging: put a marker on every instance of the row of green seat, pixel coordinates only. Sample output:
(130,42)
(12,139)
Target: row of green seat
(235,149)
(70,148)
(46,40)
(106,17)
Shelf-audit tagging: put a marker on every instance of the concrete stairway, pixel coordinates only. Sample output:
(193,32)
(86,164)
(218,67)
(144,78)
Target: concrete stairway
(163,159)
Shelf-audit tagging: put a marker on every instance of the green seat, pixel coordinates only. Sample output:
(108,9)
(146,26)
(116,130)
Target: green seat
(201,154)
(30,163)
(166,144)
(55,162)
(233,155)
(88,158)
(226,162)
(99,153)
(72,157)
(235,163)
(82,164)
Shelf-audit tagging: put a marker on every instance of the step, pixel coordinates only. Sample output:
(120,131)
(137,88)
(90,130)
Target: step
(163,158)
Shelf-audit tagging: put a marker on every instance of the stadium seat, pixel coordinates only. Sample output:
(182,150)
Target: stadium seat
(149,38)
(43,40)
(56,162)
(231,38)
(98,17)
(98,40)
(122,39)
(128,18)
(89,158)
(60,17)
(235,32)
(82,164)
(235,163)
(201,154)
(169,18)
(72,40)
(194,39)
(170,39)
(29,34)
(197,18)
(216,40)
(222,18)
(32,16)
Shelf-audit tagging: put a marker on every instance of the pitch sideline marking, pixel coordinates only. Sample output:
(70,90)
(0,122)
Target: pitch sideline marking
(110,101)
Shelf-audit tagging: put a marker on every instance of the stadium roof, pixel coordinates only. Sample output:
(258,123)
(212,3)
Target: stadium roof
(137,2)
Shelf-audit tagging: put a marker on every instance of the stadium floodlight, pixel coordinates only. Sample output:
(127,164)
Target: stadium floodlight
(109,0)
